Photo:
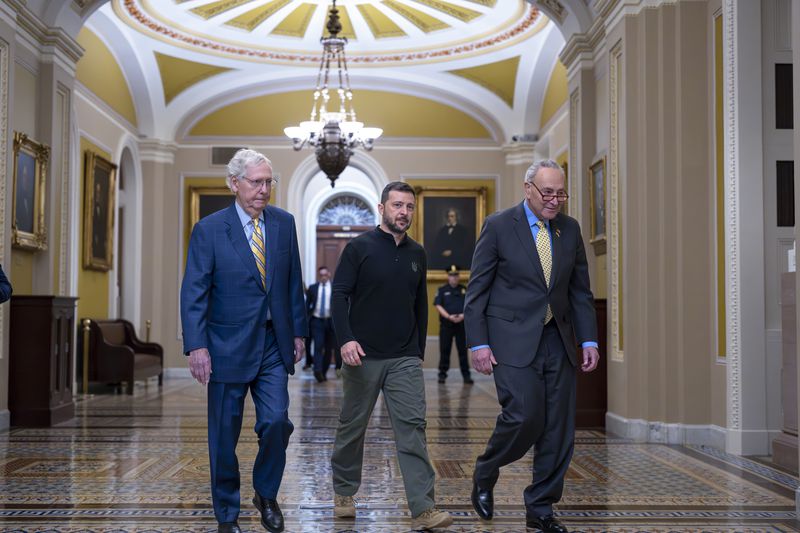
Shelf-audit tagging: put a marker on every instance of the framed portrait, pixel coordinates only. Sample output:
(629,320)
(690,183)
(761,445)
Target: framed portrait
(201,201)
(28,229)
(447,224)
(597,205)
(98,212)
(206,200)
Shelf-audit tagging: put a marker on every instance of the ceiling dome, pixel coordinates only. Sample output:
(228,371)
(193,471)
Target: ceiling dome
(379,31)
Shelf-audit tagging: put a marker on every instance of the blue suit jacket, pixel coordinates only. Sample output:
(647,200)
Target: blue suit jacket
(223,304)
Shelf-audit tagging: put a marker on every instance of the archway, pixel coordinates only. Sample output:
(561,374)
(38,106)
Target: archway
(126,277)
(309,190)
(353,184)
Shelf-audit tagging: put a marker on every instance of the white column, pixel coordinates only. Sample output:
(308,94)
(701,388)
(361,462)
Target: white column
(744,233)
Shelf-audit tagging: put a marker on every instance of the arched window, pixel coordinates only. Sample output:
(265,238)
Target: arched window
(346,211)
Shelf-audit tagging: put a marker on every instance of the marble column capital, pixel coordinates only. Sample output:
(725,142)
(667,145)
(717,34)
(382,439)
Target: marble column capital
(157,151)
(519,153)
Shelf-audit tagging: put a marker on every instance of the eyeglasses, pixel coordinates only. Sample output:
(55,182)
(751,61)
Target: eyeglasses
(257,184)
(561,196)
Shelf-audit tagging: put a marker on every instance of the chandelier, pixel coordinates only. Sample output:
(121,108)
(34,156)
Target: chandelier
(333,134)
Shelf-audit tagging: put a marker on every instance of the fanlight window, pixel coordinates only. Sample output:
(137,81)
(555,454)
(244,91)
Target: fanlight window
(346,211)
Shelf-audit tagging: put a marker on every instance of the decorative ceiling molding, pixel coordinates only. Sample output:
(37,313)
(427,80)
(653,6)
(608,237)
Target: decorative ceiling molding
(249,20)
(379,24)
(420,19)
(512,30)
(296,23)
(47,39)
(583,44)
(554,8)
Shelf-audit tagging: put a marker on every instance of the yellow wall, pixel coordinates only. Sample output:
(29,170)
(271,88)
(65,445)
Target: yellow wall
(433,286)
(99,71)
(21,274)
(556,94)
(399,115)
(92,284)
(25,115)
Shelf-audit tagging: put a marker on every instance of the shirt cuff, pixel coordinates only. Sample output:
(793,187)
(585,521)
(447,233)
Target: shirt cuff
(479,347)
(590,344)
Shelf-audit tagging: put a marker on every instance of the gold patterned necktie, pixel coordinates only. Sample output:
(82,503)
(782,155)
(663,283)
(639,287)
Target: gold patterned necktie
(546,258)
(257,246)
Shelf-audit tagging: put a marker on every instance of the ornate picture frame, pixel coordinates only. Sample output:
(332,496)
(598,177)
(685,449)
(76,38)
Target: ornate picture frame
(99,204)
(206,200)
(446,245)
(28,229)
(597,205)
(200,201)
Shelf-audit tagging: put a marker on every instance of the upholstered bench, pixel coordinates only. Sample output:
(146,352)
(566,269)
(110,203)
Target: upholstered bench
(117,355)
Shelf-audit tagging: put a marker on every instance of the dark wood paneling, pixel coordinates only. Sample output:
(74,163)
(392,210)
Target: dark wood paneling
(40,360)
(784,105)
(784,176)
(592,396)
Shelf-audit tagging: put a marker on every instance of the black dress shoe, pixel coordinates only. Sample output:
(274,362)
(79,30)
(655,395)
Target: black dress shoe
(229,527)
(271,515)
(468,381)
(441,379)
(548,524)
(482,501)
(319,377)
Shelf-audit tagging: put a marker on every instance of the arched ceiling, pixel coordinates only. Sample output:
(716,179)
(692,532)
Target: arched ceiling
(488,59)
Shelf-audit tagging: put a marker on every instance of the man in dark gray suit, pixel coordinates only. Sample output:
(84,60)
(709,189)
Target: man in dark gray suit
(528,301)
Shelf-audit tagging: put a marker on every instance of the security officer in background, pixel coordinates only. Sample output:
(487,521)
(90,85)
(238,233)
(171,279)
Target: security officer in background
(449,302)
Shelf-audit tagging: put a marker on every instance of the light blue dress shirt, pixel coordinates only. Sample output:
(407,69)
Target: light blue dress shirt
(532,220)
(248,227)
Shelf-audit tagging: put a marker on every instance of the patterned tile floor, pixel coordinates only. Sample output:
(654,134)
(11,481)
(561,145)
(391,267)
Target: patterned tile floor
(140,464)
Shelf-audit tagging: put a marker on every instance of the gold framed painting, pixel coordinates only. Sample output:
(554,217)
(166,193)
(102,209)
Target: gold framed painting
(597,205)
(99,196)
(202,201)
(447,225)
(206,200)
(28,229)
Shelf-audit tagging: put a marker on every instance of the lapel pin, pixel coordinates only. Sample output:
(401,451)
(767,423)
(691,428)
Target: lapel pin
(558,232)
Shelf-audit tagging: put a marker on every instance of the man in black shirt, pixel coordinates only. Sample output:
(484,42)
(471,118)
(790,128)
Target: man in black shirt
(380,317)
(449,302)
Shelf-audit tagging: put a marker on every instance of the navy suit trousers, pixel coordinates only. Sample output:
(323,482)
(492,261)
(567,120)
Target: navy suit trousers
(225,413)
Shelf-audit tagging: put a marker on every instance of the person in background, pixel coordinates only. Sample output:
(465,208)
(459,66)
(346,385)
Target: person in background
(318,303)
(449,302)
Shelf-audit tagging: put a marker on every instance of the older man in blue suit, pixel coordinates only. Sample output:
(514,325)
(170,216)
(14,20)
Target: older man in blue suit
(244,324)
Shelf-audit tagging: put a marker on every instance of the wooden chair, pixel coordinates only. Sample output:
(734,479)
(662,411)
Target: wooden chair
(116,354)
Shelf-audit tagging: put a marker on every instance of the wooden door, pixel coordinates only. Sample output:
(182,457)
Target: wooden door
(331,240)
(592,394)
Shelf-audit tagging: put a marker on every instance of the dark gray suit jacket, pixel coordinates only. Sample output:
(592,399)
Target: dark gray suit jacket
(507,295)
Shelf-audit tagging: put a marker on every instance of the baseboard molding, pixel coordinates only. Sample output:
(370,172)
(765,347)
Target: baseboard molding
(666,433)
(177,373)
(750,441)
(797,501)
(5,419)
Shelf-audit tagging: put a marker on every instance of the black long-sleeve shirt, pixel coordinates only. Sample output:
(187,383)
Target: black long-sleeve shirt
(380,296)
